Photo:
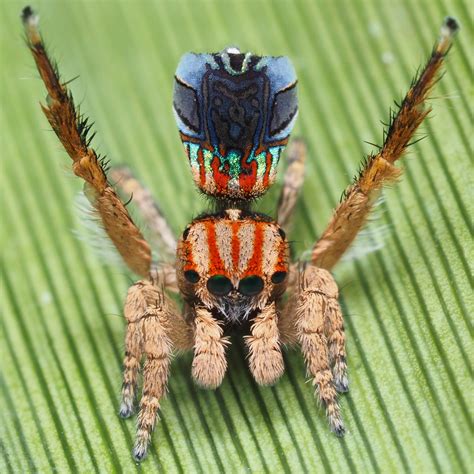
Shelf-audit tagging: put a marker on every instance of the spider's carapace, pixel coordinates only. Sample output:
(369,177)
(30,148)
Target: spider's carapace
(234,262)
(235,113)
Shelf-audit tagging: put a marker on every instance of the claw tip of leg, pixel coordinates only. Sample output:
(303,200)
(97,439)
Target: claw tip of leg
(125,411)
(28,15)
(451,24)
(342,386)
(139,453)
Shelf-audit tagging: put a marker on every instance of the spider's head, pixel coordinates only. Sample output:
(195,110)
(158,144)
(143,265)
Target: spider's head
(235,112)
(234,263)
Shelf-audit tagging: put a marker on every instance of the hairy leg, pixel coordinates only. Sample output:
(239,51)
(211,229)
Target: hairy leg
(72,129)
(154,328)
(265,357)
(315,332)
(128,185)
(293,181)
(334,330)
(379,170)
(286,313)
(209,363)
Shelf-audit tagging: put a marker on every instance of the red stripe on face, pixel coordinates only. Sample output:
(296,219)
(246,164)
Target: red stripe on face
(254,266)
(187,256)
(282,261)
(216,265)
(235,244)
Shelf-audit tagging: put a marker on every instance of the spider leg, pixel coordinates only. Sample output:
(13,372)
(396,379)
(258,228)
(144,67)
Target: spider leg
(334,330)
(293,181)
(154,328)
(265,357)
(318,327)
(209,363)
(286,313)
(72,129)
(379,170)
(128,185)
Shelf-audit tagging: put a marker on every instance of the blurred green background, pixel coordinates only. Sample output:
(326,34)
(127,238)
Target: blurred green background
(406,305)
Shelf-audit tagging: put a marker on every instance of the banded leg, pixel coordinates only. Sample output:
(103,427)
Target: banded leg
(209,363)
(379,170)
(265,357)
(72,129)
(128,185)
(293,181)
(317,293)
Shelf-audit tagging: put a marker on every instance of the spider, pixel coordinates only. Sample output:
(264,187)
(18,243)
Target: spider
(234,112)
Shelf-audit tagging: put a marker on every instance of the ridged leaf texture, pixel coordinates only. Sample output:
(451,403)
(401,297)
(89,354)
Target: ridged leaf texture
(406,305)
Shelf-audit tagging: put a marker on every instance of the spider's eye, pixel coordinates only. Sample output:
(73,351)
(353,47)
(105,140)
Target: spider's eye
(219,285)
(186,233)
(278,277)
(251,285)
(191,276)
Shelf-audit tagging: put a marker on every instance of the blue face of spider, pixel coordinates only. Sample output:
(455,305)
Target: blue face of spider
(235,113)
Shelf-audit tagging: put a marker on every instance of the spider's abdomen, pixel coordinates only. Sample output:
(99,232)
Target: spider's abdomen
(234,112)
(233,260)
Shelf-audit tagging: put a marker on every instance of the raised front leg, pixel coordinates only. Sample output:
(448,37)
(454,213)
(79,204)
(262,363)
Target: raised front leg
(378,170)
(265,357)
(320,333)
(73,130)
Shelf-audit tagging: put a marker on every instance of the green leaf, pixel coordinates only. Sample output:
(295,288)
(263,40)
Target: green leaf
(406,305)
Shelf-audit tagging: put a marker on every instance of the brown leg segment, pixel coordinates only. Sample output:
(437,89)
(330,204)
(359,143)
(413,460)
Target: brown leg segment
(313,310)
(72,129)
(157,349)
(294,178)
(209,363)
(265,357)
(379,170)
(128,185)
(334,329)
(154,327)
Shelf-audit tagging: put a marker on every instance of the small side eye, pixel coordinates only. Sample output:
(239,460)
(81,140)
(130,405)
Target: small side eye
(191,276)
(186,233)
(219,285)
(251,285)
(278,277)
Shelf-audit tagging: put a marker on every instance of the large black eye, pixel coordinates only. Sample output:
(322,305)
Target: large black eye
(191,276)
(251,285)
(278,277)
(219,285)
